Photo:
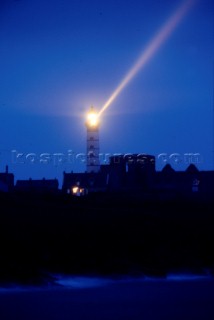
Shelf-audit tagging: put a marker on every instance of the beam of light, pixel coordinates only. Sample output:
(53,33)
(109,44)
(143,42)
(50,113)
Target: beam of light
(150,50)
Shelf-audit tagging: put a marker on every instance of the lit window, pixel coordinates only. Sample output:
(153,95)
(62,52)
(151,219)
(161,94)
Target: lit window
(75,190)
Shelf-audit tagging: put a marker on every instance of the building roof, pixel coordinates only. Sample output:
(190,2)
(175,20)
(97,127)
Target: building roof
(47,184)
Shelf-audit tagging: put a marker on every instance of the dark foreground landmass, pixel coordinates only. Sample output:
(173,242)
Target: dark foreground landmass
(102,234)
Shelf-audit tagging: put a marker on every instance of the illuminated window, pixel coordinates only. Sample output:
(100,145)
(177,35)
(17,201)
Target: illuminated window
(77,191)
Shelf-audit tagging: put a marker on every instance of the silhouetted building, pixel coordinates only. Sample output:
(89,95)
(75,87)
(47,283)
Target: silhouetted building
(130,172)
(82,183)
(6,181)
(43,185)
(190,182)
(136,174)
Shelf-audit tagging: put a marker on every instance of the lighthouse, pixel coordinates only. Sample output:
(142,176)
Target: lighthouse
(92,144)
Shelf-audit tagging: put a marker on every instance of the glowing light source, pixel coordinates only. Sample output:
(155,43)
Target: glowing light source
(92,118)
(75,190)
(151,48)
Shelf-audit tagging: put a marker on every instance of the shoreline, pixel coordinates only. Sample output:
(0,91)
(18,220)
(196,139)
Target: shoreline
(62,281)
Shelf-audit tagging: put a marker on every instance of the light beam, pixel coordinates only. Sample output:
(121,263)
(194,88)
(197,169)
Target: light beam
(150,50)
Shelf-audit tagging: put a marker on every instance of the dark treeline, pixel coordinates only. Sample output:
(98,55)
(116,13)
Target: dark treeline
(102,234)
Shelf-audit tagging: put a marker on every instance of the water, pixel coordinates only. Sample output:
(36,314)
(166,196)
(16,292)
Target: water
(183,296)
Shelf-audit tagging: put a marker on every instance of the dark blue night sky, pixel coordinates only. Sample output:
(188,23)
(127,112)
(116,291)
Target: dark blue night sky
(59,57)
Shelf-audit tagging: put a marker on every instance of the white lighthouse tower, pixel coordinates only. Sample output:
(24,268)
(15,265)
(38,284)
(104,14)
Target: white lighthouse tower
(92,125)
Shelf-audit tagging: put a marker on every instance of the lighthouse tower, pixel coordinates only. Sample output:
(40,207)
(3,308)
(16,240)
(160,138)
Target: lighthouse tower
(92,125)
